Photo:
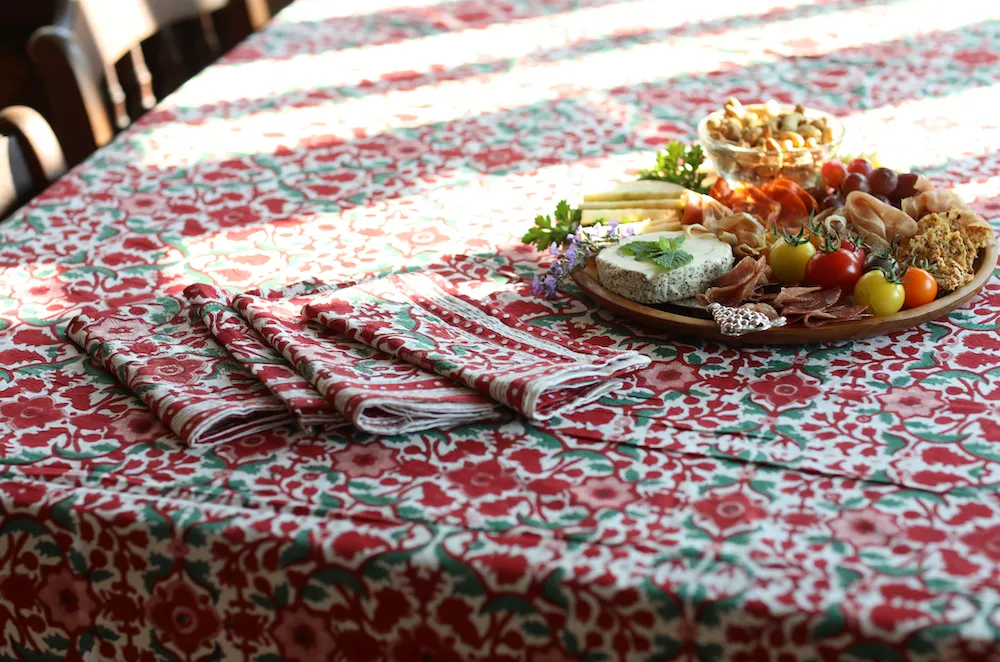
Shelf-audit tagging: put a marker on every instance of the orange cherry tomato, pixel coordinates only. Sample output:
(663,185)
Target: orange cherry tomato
(920,287)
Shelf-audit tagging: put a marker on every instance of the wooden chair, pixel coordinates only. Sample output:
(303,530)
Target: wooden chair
(30,157)
(94,45)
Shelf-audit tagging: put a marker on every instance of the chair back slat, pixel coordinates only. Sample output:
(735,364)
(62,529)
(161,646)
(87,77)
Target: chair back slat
(116,94)
(30,157)
(143,78)
(211,37)
(78,55)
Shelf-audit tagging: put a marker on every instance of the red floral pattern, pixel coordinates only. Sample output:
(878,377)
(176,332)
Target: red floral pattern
(713,510)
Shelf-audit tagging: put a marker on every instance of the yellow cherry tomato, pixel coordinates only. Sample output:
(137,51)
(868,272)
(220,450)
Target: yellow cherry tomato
(788,260)
(881,295)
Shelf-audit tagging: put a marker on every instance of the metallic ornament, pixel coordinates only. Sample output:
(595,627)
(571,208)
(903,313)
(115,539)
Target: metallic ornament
(740,321)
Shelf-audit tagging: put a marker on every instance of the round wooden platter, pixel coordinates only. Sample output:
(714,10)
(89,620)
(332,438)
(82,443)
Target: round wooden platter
(688,322)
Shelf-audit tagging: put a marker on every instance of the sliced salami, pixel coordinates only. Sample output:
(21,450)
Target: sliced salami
(739,284)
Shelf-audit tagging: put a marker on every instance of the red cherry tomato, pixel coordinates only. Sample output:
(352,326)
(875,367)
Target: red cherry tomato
(839,268)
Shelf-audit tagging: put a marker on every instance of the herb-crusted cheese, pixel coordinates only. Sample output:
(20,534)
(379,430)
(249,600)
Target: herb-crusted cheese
(646,282)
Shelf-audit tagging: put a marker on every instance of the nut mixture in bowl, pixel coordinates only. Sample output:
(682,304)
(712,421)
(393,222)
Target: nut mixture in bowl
(761,142)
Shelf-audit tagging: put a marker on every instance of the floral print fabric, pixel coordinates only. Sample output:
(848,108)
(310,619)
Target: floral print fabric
(213,306)
(183,376)
(374,391)
(428,321)
(820,502)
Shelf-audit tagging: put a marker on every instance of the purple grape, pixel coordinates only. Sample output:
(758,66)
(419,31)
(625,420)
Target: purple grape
(855,181)
(904,185)
(819,192)
(832,201)
(883,180)
(884,199)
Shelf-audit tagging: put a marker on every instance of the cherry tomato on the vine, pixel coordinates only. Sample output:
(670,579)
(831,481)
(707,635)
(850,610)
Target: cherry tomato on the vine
(920,287)
(835,267)
(788,259)
(883,295)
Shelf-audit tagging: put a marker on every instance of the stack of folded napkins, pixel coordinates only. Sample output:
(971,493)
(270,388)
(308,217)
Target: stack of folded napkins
(397,354)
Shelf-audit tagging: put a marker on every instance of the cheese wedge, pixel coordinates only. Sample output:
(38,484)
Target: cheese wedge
(646,282)
(641,190)
(591,216)
(665,203)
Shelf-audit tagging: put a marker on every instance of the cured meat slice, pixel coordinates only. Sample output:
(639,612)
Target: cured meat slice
(739,284)
(877,221)
(836,314)
(805,300)
(763,308)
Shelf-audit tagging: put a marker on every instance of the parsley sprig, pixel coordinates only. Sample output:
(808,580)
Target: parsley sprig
(666,252)
(678,163)
(555,229)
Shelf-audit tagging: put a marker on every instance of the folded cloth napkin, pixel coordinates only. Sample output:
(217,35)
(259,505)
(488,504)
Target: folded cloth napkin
(175,366)
(445,326)
(376,392)
(213,305)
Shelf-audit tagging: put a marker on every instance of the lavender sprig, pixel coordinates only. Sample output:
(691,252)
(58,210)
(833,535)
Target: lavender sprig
(580,247)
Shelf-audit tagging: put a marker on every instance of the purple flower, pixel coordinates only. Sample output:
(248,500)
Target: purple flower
(575,253)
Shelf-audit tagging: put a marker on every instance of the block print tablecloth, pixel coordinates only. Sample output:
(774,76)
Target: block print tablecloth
(809,503)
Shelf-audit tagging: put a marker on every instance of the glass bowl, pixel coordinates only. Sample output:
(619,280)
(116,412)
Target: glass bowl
(758,166)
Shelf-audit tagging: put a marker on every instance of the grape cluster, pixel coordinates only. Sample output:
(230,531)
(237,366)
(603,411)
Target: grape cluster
(885,184)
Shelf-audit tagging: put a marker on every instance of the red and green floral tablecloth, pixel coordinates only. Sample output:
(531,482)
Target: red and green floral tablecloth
(810,503)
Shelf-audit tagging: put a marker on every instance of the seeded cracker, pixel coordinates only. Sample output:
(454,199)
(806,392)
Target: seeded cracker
(950,241)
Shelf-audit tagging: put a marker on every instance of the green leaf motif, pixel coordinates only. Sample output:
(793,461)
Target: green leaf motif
(831,625)
(337,577)
(295,552)
(874,650)
(552,589)
(511,603)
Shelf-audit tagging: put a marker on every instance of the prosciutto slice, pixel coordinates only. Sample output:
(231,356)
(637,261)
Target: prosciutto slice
(739,284)
(836,314)
(804,300)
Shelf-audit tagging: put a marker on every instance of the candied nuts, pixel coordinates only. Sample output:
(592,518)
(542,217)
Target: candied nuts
(786,143)
(762,126)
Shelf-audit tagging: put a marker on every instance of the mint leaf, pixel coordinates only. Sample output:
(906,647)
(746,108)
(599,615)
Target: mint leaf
(665,253)
(671,244)
(641,250)
(673,259)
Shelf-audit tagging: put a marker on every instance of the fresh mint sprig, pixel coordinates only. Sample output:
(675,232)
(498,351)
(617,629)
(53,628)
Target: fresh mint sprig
(665,253)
